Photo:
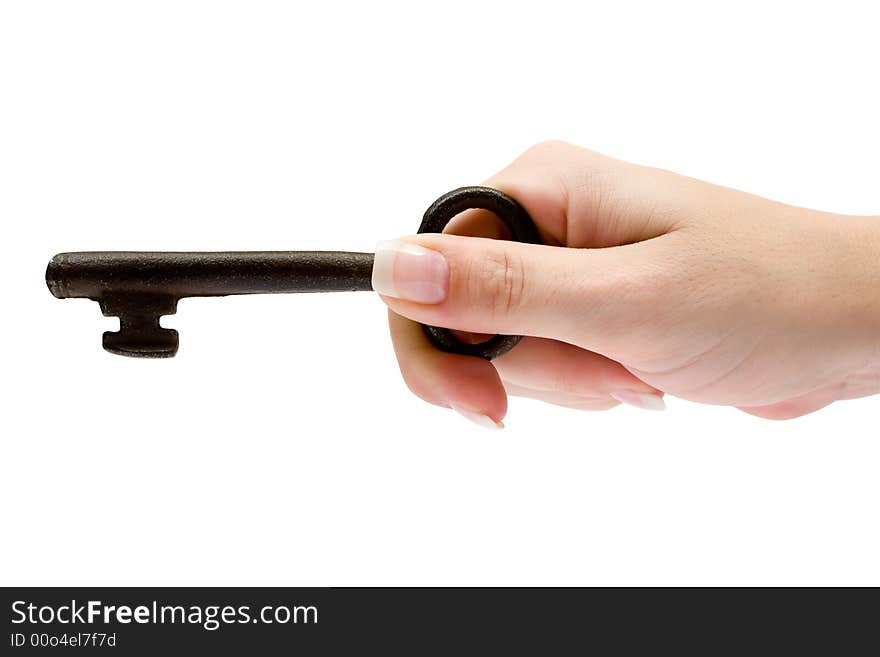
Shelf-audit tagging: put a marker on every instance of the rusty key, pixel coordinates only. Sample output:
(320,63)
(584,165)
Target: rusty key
(140,287)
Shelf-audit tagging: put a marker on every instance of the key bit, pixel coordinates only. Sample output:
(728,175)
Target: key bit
(140,287)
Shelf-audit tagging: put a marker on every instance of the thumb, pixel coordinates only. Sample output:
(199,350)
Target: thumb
(496,286)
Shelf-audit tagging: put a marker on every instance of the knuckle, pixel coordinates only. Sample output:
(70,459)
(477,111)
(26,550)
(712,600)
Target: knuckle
(547,149)
(501,283)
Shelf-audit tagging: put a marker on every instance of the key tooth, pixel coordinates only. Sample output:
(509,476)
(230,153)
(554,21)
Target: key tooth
(139,333)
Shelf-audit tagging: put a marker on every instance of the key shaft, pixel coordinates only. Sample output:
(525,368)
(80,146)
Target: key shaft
(95,274)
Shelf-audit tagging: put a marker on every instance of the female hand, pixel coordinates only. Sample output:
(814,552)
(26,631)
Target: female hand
(647,283)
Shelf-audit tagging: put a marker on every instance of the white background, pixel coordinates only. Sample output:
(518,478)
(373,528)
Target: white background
(281,447)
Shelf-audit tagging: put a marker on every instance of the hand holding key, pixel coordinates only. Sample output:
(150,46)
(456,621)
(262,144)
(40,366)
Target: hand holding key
(647,283)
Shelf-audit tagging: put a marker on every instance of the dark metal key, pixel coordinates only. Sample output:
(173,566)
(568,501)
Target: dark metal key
(140,287)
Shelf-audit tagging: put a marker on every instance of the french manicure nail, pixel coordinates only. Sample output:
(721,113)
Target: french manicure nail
(476,417)
(409,271)
(639,399)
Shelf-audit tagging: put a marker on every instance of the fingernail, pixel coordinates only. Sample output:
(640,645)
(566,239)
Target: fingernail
(409,271)
(639,399)
(476,417)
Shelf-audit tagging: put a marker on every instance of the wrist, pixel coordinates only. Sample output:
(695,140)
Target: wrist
(853,267)
(871,229)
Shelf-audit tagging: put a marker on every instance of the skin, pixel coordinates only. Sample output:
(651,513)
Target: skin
(651,282)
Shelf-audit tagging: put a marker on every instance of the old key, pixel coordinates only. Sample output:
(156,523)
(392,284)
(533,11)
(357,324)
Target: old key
(140,287)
